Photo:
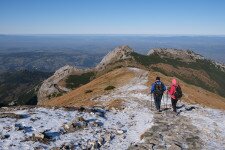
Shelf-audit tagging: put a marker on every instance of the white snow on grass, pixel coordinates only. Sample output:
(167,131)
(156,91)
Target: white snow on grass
(133,122)
(45,119)
(211,123)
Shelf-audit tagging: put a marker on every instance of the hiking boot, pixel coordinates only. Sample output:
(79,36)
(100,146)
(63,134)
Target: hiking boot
(174,112)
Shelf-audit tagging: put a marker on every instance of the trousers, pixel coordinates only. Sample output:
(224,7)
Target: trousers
(157,100)
(174,104)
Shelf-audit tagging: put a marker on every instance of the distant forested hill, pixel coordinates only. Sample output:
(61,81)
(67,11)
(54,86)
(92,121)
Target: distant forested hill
(46,61)
(20,87)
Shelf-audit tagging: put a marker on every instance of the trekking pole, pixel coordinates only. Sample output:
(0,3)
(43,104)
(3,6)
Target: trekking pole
(151,101)
(166,99)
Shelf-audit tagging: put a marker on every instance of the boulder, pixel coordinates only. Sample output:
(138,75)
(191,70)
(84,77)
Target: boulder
(94,145)
(108,137)
(19,126)
(120,131)
(96,124)
(81,119)
(174,147)
(38,136)
(101,141)
(66,126)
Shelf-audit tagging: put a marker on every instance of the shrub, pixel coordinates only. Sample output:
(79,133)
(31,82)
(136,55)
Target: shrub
(110,87)
(88,91)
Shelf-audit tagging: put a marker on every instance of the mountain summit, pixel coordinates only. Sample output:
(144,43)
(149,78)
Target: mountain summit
(184,55)
(119,53)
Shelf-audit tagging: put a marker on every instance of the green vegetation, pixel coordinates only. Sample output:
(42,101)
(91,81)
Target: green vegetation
(19,86)
(155,59)
(54,95)
(110,87)
(146,60)
(74,81)
(29,98)
(88,91)
(215,74)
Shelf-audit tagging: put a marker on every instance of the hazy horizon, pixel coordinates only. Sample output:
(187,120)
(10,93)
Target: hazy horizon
(212,47)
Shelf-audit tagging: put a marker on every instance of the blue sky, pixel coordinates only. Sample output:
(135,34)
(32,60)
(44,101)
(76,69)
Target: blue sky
(204,17)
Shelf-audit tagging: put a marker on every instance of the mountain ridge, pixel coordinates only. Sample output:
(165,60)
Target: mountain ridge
(154,62)
(111,108)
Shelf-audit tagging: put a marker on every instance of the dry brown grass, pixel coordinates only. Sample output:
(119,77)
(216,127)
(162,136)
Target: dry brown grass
(116,103)
(188,72)
(79,97)
(120,77)
(192,94)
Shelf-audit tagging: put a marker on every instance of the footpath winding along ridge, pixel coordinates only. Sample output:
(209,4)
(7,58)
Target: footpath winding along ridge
(135,126)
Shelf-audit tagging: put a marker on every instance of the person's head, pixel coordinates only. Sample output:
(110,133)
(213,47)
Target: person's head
(157,79)
(174,82)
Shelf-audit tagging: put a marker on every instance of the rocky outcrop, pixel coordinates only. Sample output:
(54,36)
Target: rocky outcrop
(119,53)
(184,55)
(220,66)
(50,86)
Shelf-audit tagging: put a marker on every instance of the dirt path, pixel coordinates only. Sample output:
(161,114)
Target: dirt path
(169,130)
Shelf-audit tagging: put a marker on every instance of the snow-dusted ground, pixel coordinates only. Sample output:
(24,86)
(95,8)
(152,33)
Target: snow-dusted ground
(211,123)
(128,120)
(135,119)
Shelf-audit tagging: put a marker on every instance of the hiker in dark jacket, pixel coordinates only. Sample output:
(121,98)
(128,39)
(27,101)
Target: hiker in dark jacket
(157,90)
(175,94)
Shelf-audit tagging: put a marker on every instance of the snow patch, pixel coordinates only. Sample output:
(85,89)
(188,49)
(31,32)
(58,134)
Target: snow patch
(211,123)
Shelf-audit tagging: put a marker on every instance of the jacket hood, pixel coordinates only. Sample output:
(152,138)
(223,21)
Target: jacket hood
(174,82)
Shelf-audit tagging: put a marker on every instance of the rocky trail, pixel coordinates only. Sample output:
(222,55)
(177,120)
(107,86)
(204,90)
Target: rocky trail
(136,126)
(170,131)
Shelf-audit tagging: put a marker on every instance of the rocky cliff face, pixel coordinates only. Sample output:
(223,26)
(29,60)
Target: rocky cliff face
(50,86)
(185,55)
(119,53)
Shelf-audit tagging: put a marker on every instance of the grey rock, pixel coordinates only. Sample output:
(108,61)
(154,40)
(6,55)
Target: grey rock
(108,137)
(119,53)
(185,55)
(120,131)
(50,86)
(38,136)
(19,126)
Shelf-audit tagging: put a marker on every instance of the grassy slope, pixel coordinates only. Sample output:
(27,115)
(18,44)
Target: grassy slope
(206,65)
(80,97)
(74,81)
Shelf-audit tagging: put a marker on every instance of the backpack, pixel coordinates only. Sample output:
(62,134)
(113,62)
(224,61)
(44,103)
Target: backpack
(158,89)
(178,92)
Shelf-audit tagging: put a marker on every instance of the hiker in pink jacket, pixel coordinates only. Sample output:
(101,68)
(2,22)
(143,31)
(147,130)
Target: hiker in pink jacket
(175,93)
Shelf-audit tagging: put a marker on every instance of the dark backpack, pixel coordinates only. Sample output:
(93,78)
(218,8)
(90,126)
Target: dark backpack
(158,89)
(178,92)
